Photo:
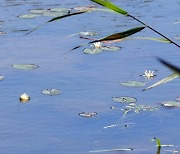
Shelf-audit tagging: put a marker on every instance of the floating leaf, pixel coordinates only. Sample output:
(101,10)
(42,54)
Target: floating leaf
(171,104)
(92,51)
(38,11)
(163,81)
(110,48)
(63,10)
(133,84)
(87,114)
(28,16)
(124,99)
(111,6)
(25,66)
(51,92)
(88,33)
(54,14)
(2,77)
(111,150)
(121,35)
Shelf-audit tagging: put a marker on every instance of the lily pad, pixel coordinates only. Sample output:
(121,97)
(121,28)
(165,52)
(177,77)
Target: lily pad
(25,66)
(54,14)
(124,99)
(88,33)
(171,104)
(87,114)
(132,83)
(110,48)
(51,92)
(62,10)
(92,51)
(38,11)
(28,16)
(2,77)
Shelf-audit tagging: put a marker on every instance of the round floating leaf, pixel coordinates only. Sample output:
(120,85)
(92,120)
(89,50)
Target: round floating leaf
(88,33)
(25,66)
(92,51)
(51,92)
(110,48)
(124,99)
(39,11)
(54,14)
(62,10)
(2,77)
(171,104)
(87,114)
(133,84)
(28,16)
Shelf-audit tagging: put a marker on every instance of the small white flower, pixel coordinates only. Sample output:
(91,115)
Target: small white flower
(24,97)
(97,44)
(149,74)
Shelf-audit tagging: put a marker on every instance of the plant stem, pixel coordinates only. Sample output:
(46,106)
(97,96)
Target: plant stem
(154,30)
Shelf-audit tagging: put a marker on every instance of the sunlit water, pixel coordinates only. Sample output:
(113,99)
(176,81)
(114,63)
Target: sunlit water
(51,124)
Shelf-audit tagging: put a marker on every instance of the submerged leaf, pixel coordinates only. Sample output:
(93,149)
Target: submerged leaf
(163,81)
(121,35)
(111,6)
(133,84)
(25,66)
(51,92)
(124,99)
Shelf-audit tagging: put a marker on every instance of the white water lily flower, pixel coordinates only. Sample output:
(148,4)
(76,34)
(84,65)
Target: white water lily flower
(149,74)
(97,44)
(24,97)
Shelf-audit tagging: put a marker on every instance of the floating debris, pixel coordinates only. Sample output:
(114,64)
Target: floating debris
(178,98)
(87,114)
(171,104)
(51,92)
(2,33)
(88,33)
(2,77)
(132,83)
(149,74)
(25,66)
(124,99)
(24,98)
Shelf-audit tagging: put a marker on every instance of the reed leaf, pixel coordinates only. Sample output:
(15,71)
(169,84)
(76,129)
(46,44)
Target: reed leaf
(121,35)
(111,6)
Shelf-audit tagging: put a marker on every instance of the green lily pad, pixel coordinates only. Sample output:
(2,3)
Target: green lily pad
(2,77)
(133,84)
(25,66)
(171,104)
(124,99)
(92,51)
(39,11)
(51,92)
(110,48)
(28,16)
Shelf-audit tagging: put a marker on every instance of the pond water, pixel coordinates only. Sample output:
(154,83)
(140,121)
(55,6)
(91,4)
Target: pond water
(52,124)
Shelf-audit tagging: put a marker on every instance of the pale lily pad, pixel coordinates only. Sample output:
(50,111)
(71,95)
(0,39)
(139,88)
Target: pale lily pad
(38,11)
(28,16)
(92,51)
(25,66)
(133,84)
(110,48)
(54,14)
(87,114)
(51,92)
(2,77)
(171,104)
(124,99)
(88,33)
(62,10)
